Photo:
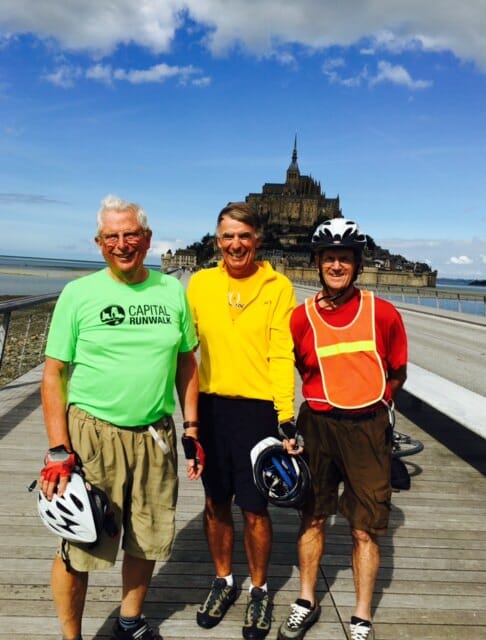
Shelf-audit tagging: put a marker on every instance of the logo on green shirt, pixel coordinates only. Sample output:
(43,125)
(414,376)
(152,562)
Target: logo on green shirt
(112,315)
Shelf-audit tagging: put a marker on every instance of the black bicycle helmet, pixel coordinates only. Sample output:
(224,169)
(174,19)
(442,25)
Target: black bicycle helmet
(80,514)
(283,479)
(338,232)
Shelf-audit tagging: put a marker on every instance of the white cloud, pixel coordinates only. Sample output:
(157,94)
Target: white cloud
(260,26)
(386,73)
(64,76)
(159,247)
(460,260)
(202,82)
(455,258)
(157,73)
(285,58)
(95,26)
(332,68)
(396,74)
(101,73)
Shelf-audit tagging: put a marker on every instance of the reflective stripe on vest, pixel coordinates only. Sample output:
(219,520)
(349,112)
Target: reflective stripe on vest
(351,369)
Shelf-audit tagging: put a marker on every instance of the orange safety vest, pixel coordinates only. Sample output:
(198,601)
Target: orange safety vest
(352,372)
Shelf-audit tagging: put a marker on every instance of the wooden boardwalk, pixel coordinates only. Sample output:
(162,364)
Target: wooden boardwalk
(432,583)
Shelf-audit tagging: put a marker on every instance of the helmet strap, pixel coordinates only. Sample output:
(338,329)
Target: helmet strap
(65,554)
(326,295)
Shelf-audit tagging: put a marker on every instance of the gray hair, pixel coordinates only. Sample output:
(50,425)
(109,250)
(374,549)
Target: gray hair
(115,203)
(242,212)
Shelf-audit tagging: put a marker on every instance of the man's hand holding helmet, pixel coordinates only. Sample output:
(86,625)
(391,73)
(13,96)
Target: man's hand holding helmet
(58,466)
(293,440)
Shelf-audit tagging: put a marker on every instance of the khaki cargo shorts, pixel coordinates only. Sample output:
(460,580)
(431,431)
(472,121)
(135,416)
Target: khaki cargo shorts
(140,481)
(355,451)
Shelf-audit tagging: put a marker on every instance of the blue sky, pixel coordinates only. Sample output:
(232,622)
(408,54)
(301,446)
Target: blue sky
(184,106)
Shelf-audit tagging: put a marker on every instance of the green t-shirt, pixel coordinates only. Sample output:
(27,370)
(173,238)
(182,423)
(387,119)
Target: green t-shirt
(123,341)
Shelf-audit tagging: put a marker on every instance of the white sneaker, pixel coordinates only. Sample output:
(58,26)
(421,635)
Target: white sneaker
(361,629)
(301,617)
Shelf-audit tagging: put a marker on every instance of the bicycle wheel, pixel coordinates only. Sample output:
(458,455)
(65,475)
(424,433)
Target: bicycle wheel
(404,445)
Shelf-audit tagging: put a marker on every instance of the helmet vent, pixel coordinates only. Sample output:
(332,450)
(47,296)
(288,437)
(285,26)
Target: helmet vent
(77,502)
(64,508)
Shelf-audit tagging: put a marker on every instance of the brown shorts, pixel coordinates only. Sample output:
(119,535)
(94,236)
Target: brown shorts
(354,450)
(140,481)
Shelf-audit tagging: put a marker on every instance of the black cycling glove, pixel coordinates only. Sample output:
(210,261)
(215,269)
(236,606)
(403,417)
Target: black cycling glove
(288,431)
(193,450)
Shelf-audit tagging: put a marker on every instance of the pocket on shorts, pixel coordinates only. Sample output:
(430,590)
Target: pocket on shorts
(85,436)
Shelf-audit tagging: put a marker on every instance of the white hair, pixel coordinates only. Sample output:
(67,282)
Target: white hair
(115,203)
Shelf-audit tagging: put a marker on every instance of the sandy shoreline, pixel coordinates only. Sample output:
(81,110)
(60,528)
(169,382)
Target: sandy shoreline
(45,273)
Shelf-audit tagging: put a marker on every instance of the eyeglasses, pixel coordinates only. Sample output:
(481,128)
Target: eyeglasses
(227,238)
(130,237)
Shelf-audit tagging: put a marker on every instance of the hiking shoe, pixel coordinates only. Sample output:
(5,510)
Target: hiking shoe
(141,632)
(220,598)
(361,629)
(301,617)
(258,617)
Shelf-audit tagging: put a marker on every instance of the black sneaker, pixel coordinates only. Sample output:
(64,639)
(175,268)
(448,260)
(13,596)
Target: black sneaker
(220,598)
(258,617)
(361,629)
(141,632)
(301,617)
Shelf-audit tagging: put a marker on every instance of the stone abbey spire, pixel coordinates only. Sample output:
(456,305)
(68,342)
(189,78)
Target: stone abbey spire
(291,210)
(293,172)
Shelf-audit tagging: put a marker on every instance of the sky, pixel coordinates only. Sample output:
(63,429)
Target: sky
(183,106)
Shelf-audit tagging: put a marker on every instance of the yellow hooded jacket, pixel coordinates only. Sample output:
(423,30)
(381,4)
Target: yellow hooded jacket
(251,355)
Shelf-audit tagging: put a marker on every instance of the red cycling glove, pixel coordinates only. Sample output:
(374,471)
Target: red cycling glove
(58,463)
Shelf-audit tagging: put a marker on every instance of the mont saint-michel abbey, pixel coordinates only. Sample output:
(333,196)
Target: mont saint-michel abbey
(294,208)
(291,210)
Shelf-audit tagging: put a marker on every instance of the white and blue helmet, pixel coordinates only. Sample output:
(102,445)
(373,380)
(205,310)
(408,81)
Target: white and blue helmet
(283,479)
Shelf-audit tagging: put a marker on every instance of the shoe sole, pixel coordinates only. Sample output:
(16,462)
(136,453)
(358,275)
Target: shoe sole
(249,633)
(249,636)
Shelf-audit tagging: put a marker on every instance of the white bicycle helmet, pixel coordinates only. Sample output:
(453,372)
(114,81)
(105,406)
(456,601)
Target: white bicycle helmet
(338,232)
(79,515)
(283,479)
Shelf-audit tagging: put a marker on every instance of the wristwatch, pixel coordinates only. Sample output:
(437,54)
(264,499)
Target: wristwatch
(58,454)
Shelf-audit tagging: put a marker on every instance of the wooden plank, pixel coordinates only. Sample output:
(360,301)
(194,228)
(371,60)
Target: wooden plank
(432,581)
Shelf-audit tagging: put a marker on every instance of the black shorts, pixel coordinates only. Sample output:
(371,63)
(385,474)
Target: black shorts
(229,428)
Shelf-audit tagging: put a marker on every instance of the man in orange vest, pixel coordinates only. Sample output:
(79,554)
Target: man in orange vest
(351,353)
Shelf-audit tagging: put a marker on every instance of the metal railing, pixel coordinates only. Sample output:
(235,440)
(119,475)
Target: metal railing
(24,324)
(23,334)
(446,299)
(457,300)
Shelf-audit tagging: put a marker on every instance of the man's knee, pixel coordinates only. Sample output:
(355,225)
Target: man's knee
(253,519)
(363,537)
(220,511)
(311,522)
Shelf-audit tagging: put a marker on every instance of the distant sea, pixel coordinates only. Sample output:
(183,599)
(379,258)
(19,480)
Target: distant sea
(25,276)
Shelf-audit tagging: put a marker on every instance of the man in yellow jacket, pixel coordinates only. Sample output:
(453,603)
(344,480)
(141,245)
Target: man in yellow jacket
(242,310)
